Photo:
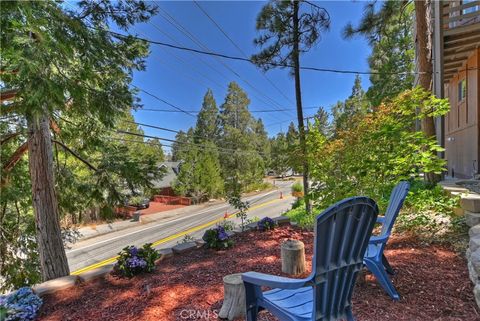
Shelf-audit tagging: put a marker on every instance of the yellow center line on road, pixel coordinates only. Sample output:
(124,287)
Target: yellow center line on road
(172,237)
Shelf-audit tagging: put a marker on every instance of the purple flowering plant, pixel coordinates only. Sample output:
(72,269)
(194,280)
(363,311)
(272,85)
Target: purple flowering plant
(217,238)
(22,304)
(133,260)
(266,224)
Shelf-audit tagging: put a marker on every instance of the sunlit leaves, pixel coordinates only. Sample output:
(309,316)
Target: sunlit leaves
(380,150)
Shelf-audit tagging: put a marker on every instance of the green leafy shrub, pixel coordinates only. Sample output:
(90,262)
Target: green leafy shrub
(241,207)
(427,197)
(133,260)
(373,154)
(259,186)
(252,220)
(227,225)
(429,210)
(297,187)
(186,239)
(298,203)
(217,238)
(299,215)
(376,152)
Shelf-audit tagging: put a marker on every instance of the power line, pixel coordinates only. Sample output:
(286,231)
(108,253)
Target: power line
(164,101)
(221,55)
(184,61)
(238,48)
(160,128)
(231,57)
(189,35)
(153,126)
(197,111)
(183,30)
(186,33)
(188,143)
(138,141)
(138,88)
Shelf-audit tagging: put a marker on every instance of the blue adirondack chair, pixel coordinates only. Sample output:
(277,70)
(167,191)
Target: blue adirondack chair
(374,258)
(341,238)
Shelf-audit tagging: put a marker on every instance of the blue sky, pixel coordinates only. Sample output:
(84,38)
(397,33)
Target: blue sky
(182,78)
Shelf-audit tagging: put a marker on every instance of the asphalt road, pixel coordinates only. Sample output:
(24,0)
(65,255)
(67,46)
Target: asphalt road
(98,249)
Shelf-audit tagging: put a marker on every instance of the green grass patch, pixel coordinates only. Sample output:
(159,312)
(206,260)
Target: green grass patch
(261,186)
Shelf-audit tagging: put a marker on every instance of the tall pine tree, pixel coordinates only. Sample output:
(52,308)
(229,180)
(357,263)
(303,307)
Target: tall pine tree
(57,60)
(244,165)
(287,31)
(200,172)
(206,128)
(280,155)
(344,112)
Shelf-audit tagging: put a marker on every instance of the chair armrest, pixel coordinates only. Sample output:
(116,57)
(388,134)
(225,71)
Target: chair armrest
(381,219)
(274,281)
(378,239)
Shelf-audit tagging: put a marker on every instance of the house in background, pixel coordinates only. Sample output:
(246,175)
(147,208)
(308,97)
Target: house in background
(456,61)
(164,185)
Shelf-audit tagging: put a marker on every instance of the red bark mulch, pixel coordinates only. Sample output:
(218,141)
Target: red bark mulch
(432,280)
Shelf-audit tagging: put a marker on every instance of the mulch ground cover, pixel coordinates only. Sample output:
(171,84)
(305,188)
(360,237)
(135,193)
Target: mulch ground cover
(432,281)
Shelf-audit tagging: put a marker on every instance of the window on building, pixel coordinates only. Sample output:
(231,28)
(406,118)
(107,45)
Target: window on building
(462,90)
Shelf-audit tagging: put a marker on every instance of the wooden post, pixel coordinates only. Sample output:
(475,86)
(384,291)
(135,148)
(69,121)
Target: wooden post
(293,257)
(234,297)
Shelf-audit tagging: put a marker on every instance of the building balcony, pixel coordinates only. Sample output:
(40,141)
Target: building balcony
(461,33)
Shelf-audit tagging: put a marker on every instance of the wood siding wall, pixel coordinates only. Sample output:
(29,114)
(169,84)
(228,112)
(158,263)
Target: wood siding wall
(462,122)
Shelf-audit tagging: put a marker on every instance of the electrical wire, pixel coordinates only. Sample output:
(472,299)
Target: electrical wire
(231,57)
(187,33)
(164,101)
(185,62)
(238,48)
(197,111)
(230,150)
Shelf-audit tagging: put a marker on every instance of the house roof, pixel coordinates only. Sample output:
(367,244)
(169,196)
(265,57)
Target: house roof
(170,175)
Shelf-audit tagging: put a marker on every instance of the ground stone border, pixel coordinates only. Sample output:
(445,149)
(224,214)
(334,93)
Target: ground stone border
(70,281)
(55,285)
(470,207)
(184,247)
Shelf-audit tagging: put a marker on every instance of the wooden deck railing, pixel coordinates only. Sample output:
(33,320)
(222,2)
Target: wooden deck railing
(457,14)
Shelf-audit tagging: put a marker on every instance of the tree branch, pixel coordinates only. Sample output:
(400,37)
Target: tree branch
(15,158)
(8,137)
(76,155)
(54,126)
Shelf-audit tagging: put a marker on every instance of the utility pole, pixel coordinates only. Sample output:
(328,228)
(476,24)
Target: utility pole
(298,96)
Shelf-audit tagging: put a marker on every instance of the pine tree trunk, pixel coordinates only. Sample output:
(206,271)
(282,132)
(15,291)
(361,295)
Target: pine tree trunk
(53,260)
(298,96)
(423,21)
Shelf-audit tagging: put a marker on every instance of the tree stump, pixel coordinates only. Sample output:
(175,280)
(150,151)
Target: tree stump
(234,297)
(293,257)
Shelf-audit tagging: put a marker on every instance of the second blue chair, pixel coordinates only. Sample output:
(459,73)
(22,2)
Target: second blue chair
(374,258)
